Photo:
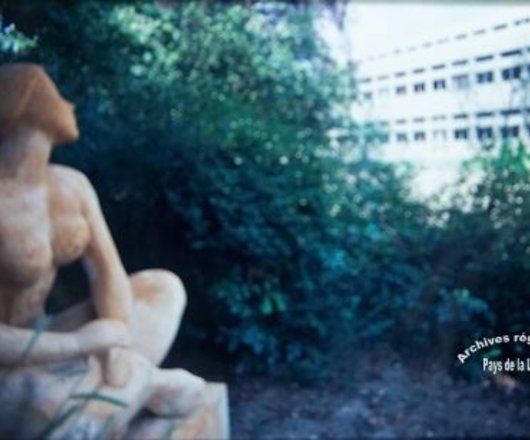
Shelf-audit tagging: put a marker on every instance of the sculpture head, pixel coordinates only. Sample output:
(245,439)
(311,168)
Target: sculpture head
(30,99)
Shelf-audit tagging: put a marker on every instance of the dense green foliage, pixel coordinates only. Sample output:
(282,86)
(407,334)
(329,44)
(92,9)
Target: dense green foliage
(489,220)
(215,136)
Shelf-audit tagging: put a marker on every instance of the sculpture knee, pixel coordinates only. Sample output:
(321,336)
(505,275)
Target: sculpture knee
(160,288)
(172,293)
(159,302)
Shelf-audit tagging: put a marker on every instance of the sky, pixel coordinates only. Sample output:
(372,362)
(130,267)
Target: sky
(373,27)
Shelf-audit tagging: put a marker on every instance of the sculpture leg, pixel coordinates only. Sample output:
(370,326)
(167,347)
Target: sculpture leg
(102,411)
(159,302)
(158,305)
(175,392)
(70,398)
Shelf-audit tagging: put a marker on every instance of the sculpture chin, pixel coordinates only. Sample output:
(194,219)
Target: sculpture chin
(67,130)
(61,124)
(67,135)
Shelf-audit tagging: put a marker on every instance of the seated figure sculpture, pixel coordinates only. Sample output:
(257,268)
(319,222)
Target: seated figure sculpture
(98,361)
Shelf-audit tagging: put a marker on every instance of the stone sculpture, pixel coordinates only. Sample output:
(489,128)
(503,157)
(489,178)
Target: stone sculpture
(94,366)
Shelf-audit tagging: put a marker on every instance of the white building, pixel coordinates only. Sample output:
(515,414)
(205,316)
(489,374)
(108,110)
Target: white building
(439,98)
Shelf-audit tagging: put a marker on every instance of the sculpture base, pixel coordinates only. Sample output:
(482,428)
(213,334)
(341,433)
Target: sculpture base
(211,421)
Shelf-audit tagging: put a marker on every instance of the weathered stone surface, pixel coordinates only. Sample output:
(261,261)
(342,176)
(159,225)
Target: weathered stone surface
(210,421)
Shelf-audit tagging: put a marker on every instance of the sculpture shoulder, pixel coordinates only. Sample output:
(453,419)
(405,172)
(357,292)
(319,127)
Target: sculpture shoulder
(69,180)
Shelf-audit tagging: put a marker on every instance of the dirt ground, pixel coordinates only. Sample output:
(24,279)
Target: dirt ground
(380,397)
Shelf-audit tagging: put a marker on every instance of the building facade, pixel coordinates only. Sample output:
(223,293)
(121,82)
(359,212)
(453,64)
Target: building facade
(439,97)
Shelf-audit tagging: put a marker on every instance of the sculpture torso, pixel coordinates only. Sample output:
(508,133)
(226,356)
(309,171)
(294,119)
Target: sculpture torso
(41,228)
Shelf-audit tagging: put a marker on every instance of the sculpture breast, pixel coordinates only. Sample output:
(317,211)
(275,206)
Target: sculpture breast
(25,247)
(26,262)
(71,235)
(69,227)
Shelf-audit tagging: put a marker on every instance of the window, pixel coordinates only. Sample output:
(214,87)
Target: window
(484,114)
(484,133)
(438,84)
(512,53)
(511,73)
(460,116)
(384,137)
(367,96)
(461,134)
(438,66)
(383,91)
(401,137)
(401,90)
(419,136)
(439,134)
(510,112)
(500,26)
(510,132)
(419,87)
(484,58)
(461,81)
(485,77)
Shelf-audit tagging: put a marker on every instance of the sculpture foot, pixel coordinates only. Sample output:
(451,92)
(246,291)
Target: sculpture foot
(209,421)
(176,393)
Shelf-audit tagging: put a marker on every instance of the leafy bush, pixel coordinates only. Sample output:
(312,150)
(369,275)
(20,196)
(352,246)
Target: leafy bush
(489,221)
(12,41)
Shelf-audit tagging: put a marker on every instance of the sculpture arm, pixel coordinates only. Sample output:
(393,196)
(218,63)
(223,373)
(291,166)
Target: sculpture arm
(26,346)
(109,283)
(19,345)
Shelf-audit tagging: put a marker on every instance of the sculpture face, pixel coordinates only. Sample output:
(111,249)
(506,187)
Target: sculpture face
(59,121)
(30,98)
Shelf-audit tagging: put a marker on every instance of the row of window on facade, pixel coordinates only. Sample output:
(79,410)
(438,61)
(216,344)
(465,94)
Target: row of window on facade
(461,134)
(459,82)
(459,116)
(461,36)
(438,67)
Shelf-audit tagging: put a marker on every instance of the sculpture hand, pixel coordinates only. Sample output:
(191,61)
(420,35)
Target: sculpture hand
(102,334)
(117,367)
